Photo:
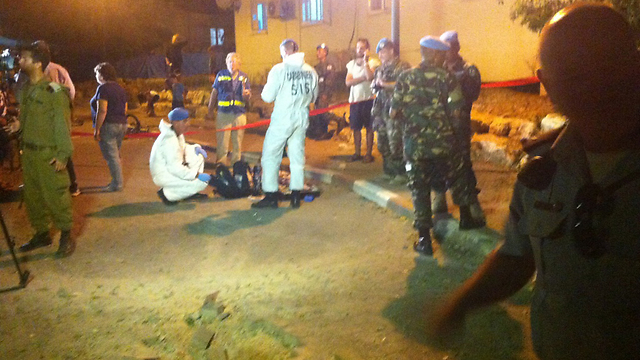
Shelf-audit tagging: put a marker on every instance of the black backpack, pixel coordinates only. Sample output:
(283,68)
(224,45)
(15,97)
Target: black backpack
(236,185)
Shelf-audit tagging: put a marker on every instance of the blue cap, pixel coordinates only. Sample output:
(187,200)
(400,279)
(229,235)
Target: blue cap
(178,114)
(383,43)
(432,42)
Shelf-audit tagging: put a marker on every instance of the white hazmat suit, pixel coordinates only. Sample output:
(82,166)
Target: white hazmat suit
(293,85)
(174,165)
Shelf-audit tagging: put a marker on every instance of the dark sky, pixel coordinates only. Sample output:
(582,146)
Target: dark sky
(83,33)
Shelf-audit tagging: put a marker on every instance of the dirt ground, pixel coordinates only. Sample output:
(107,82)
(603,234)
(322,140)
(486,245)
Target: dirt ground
(214,279)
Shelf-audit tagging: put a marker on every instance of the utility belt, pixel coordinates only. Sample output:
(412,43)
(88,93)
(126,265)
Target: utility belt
(26,145)
(231,103)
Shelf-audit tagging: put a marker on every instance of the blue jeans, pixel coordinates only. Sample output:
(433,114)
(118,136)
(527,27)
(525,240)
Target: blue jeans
(111,135)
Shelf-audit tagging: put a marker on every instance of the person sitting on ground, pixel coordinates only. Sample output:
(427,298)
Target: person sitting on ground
(177,167)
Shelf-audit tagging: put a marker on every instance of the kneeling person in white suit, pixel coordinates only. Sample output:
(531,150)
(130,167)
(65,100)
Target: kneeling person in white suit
(293,85)
(177,167)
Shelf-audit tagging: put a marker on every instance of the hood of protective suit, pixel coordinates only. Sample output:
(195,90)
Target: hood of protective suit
(295,59)
(165,126)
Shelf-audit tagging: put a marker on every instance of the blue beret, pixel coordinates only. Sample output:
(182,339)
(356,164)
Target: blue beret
(178,114)
(322,46)
(434,43)
(449,37)
(383,43)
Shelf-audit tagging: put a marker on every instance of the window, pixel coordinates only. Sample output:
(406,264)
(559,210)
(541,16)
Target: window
(217,36)
(258,16)
(379,5)
(312,11)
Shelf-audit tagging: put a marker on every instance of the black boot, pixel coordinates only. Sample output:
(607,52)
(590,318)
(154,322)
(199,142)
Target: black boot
(39,240)
(67,244)
(270,201)
(164,199)
(423,245)
(295,199)
(467,221)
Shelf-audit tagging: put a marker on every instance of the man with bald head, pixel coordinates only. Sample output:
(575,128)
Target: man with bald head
(574,213)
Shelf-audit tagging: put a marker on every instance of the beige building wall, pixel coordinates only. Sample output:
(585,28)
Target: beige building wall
(501,48)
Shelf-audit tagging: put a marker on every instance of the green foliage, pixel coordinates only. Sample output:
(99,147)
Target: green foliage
(535,13)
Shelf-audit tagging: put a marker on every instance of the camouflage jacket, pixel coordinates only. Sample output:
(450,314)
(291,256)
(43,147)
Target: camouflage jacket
(469,79)
(388,73)
(425,100)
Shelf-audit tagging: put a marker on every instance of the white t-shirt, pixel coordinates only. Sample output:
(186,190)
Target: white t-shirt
(361,91)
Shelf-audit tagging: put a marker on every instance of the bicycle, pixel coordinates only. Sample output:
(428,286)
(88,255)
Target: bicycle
(133,123)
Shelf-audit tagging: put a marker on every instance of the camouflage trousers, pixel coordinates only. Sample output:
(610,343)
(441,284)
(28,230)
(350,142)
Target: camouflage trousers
(425,173)
(390,147)
(463,146)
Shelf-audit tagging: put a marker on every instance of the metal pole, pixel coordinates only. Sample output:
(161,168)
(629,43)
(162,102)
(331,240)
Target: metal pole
(395,23)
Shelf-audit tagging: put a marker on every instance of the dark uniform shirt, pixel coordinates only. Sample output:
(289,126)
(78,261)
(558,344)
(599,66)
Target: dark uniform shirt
(425,97)
(469,79)
(45,118)
(583,307)
(326,77)
(230,90)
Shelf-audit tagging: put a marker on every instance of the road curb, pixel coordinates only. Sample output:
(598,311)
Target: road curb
(374,193)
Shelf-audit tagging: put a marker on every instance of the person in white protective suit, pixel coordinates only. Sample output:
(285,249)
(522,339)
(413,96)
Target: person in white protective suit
(177,167)
(293,85)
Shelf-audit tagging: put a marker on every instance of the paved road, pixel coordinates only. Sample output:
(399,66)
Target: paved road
(334,279)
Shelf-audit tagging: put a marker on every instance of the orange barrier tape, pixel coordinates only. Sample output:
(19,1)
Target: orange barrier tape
(511,83)
(248,126)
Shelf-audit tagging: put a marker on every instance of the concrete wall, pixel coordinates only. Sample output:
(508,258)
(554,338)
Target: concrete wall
(501,49)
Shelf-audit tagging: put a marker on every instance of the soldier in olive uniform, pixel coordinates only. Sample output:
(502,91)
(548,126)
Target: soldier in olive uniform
(424,101)
(389,133)
(46,148)
(470,82)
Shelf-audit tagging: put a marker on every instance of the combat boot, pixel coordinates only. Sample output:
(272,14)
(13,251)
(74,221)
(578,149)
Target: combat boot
(270,201)
(295,199)
(467,221)
(67,244)
(423,245)
(38,240)
(439,203)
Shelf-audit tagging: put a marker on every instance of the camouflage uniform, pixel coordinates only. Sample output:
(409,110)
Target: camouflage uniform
(425,97)
(389,133)
(45,134)
(468,77)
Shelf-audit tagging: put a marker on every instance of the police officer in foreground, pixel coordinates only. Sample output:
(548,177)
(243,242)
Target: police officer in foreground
(389,131)
(46,147)
(421,104)
(574,213)
(470,82)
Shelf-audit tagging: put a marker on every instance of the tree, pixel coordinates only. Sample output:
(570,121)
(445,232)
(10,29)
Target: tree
(535,13)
